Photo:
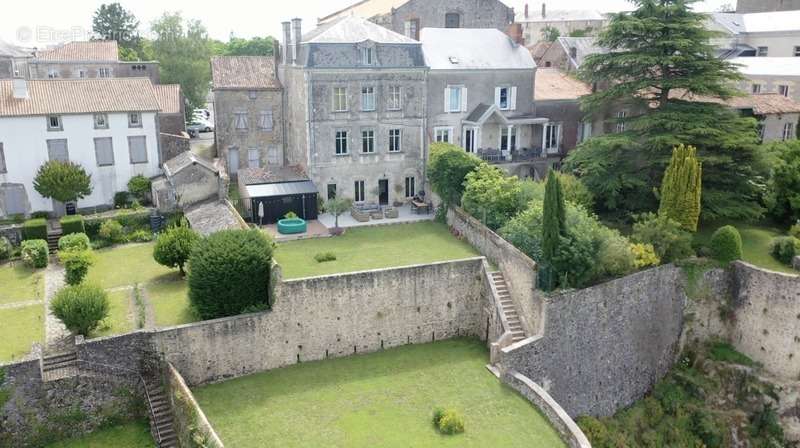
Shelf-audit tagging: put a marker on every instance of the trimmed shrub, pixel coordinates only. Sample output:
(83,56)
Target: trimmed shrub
(174,246)
(35,253)
(76,264)
(784,248)
(72,224)
(229,272)
(726,244)
(5,248)
(34,229)
(40,215)
(448,421)
(325,257)
(139,186)
(74,242)
(81,308)
(644,255)
(140,236)
(669,240)
(111,231)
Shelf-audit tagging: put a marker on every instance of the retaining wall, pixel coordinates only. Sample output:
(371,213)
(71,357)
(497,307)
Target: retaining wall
(189,420)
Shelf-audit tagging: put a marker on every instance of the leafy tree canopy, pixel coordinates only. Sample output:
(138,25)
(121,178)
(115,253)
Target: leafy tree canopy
(62,181)
(256,46)
(448,167)
(784,201)
(113,22)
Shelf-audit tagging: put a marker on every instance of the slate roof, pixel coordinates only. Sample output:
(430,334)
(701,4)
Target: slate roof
(756,66)
(244,72)
(353,29)
(364,8)
(463,48)
(477,113)
(255,176)
(88,51)
(761,104)
(211,217)
(9,50)
(185,160)
(169,98)
(584,46)
(79,96)
(553,84)
(760,22)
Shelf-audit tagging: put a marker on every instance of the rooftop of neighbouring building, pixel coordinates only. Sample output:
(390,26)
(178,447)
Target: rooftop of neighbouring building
(273,174)
(760,104)
(185,160)
(354,29)
(584,47)
(460,49)
(757,66)
(244,72)
(364,8)
(169,98)
(760,22)
(85,51)
(78,96)
(553,84)
(535,14)
(14,51)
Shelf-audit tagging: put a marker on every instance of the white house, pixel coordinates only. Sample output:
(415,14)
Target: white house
(764,34)
(108,126)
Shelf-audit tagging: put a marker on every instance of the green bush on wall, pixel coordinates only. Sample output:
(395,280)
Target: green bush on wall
(34,229)
(726,244)
(72,224)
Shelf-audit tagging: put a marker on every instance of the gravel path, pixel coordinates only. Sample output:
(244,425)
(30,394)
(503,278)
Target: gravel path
(57,338)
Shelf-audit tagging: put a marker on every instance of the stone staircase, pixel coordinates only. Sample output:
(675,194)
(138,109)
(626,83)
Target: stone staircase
(161,419)
(512,317)
(59,366)
(54,232)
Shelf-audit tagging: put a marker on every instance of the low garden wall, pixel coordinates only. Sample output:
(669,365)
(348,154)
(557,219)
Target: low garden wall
(191,424)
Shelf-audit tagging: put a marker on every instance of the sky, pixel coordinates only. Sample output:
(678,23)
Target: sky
(39,23)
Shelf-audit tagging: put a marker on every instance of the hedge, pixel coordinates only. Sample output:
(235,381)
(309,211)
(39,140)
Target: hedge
(131,221)
(726,244)
(72,224)
(34,229)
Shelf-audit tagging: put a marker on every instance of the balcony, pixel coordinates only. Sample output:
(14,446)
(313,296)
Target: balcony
(498,156)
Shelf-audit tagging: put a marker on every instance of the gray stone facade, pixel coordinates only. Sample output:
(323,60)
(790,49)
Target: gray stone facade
(748,6)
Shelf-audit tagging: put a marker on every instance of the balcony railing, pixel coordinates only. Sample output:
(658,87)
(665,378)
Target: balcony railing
(516,155)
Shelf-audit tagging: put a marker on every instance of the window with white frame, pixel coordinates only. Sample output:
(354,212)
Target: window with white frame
(240,121)
(54,123)
(104,72)
(552,136)
(395,98)
(3,168)
(137,146)
(368,141)
(340,99)
(411,187)
(368,99)
(134,120)
(104,151)
(783,90)
(443,134)
(470,139)
(100,121)
(621,116)
(505,97)
(265,121)
(412,29)
(395,140)
(367,56)
(455,99)
(788,131)
(359,194)
(756,89)
(253,158)
(341,143)
(584,131)
(508,138)
(763,51)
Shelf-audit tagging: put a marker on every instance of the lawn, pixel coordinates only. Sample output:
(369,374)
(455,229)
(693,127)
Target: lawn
(756,241)
(170,302)
(384,399)
(19,329)
(20,284)
(121,318)
(131,435)
(364,248)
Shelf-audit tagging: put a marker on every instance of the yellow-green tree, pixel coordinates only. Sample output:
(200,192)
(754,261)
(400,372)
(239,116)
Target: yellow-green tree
(680,189)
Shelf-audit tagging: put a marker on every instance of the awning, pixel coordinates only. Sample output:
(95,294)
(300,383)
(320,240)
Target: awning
(281,189)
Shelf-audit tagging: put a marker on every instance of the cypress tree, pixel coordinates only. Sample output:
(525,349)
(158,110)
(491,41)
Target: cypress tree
(553,227)
(681,187)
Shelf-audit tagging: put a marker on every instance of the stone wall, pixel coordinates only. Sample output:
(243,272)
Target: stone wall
(173,145)
(13,233)
(604,347)
(189,420)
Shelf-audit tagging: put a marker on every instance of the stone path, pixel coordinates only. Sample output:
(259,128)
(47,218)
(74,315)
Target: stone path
(7,306)
(57,337)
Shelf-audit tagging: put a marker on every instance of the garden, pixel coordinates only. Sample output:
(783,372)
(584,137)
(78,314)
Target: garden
(385,399)
(21,309)
(131,435)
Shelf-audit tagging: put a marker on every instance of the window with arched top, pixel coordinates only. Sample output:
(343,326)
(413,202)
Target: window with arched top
(452,20)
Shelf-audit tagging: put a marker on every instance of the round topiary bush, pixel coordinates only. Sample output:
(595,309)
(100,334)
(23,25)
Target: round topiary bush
(35,253)
(174,246)
(74,241)
(76,264)
(81,308)
(726,244)
(229,272)
(111,231)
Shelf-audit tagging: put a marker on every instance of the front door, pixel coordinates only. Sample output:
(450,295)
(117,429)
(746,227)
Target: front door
(233,160)
(383,191)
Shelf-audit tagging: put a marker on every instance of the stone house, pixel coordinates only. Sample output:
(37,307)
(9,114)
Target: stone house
(534,23)
(409,17)
(770,75)
(172,117)
(13,60)
(248,112)
(746,6)
(188,180)
(89,59)
(762,34)
(356,108)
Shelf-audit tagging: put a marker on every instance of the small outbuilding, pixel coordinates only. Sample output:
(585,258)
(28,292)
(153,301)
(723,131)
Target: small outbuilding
(267,195)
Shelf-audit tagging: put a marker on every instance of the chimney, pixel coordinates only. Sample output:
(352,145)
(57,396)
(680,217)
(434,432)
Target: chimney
(20,87)
(526,10)
(298,38)
(544,10)
(287,43)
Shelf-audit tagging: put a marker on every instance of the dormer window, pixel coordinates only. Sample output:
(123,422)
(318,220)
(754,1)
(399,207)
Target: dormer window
(134,120)
(100,121)
(367,56)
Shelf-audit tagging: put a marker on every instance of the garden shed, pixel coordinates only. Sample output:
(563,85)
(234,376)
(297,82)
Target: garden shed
(267,196)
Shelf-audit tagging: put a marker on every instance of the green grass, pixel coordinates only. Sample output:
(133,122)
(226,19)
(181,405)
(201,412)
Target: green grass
(131,435)
(120,318)
(20,284)
(19,329)
(364,248)
(724,352)
(170,301)
(756,241)
(385,399)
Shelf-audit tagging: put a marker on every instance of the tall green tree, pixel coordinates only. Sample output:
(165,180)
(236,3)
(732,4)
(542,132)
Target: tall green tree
(113,22)
(554,223)
(680,189)
(448,166)
(183,49)
(257,46)
(784,200)
(662,69)
(62,181)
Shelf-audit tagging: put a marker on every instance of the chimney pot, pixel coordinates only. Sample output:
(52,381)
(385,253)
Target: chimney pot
(20,88)
(297,25)
(526,10)
(286,48)
(544,10)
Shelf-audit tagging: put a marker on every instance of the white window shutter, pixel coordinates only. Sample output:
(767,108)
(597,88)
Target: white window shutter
(497,96)
(464,99)
(512,100)
(447,99)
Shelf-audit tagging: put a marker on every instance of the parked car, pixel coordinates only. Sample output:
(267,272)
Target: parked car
(202,113)
(197,126)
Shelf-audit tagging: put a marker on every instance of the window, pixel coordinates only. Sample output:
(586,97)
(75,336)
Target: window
(54,123)
(783,90)
(100,121)
(57,150)
(104,151)
(508,138)
(763,51)
(452,20)
(252,94)
(788,131)
(359,191)
(253,158)
(52,73)
(103,72)
(505,98)
(134,120)
(395,140)
(411,187)
(442,134)
(273,155)
(367,56)
(395,98)
(339,99)
(797,52)
(240,121)
(265,121)
(585,131)
(233,160)
(341,143)
(469,139)
(367,99)
(81,73)
(552,137)
(3,168)
(621,115)
(331,191)
(756,89)
(412,29)
(455,99)
(137,146)
(368,141)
